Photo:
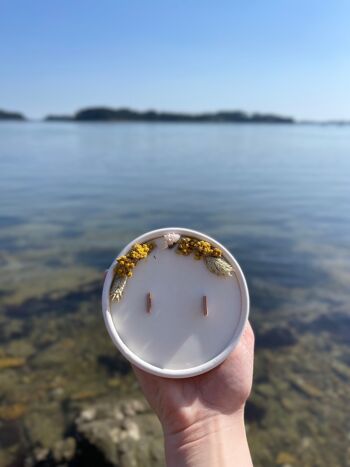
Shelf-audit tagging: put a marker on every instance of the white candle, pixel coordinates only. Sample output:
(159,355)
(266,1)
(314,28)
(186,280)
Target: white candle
(167,332)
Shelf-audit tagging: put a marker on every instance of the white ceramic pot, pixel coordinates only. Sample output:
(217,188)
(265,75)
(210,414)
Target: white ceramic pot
(176,340)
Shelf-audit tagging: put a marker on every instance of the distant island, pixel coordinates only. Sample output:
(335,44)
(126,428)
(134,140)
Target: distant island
(5,115)
(105,114)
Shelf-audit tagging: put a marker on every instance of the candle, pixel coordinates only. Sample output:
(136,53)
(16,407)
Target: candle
(181,305)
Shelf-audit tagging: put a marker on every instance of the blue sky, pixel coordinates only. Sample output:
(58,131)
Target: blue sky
(286,56)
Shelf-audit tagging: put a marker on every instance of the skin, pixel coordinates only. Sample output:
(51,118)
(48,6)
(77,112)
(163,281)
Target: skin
(203,417)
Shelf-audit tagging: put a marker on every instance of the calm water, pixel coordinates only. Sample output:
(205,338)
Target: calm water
(277,196)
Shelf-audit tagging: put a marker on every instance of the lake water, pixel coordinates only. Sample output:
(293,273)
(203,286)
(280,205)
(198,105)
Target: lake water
(276,195)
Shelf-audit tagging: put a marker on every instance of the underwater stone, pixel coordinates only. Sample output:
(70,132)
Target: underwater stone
(275,337)
(116,430)
(12,412)
(64,450)
(41,454)
(306,388)
(11,362)
(285,458)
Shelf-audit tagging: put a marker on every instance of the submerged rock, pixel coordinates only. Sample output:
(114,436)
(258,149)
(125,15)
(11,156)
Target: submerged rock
(12,328)
(255,410)
(20,348)
(275,337)
(40,455)
(12,412)
(126,434)
(284,458)
(306,388)
(12,362)
(64,450)
(341,370)
(81,395)
(44,427)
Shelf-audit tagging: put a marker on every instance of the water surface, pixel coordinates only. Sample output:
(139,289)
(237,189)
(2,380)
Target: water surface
(276,195)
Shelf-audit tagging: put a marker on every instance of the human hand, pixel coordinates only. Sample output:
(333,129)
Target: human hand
(207,408)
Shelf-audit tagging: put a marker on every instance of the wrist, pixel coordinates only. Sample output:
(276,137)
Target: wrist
(216,440)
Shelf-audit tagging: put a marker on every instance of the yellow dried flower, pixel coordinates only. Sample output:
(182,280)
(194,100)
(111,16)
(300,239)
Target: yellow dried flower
(138,252)
(185,246)
(127,262)
(200,248)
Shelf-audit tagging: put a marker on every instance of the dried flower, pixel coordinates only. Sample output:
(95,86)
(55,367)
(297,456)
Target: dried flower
(170,239)
(184,246)
(199,248)
(218,266)
(126,263)
(117,288)
(124,266)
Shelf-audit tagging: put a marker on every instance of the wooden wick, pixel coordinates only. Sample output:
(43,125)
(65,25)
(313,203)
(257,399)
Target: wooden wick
(149,302)
(205,305)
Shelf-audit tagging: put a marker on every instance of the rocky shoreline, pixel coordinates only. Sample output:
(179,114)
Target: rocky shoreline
(106,433)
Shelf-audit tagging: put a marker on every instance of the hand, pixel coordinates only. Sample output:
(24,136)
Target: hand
(197,408)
